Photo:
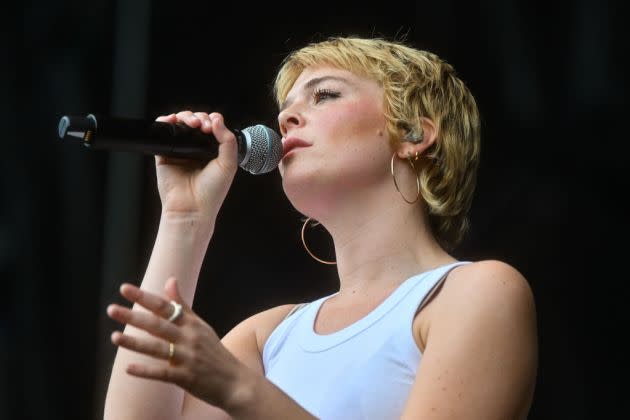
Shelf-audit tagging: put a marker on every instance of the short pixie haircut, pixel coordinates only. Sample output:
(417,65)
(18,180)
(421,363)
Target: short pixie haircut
(416,84)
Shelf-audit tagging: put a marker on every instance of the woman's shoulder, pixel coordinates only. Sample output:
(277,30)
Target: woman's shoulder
(490,273)
(247,339)
(486,284)
(478,290)
(267,319)
(485,311)
(265,322)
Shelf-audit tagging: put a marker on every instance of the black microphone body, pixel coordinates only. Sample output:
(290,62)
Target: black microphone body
(259,147)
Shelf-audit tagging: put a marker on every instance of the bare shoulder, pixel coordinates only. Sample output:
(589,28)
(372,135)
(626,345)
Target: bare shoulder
(490,284)
(478,290)
(266,321)
(495,309)
(486,310)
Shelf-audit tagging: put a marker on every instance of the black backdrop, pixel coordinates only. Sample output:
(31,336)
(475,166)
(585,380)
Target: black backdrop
(75,224)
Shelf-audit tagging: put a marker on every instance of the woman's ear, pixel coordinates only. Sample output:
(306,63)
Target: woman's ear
(416,143)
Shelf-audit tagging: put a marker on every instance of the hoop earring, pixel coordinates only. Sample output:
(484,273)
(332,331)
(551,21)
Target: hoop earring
(413,168)
(308,250)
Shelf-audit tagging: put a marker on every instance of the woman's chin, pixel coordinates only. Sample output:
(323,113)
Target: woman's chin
(296,178)
(297,193)
(306,194)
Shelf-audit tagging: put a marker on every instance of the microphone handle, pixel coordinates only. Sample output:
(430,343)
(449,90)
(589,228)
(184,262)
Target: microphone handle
(154,138)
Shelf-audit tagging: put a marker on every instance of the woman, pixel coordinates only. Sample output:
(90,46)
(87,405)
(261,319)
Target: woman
(381,146)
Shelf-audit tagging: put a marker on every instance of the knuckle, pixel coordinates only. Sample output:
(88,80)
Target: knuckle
(129,341)
(161,329)
(163,307)
(137,294)
(196,343)
(189,324)
(120,314)
(184,115)
(154,323)
(192,378)
(193,322)
(157,349)
(168,374)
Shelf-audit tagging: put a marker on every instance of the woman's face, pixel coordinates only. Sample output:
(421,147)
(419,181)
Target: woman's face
(334,135)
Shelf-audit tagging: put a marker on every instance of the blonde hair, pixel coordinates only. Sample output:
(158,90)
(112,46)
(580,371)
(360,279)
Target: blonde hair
(417,84)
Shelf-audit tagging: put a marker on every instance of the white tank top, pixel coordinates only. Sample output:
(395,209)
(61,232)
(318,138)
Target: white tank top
(364,371)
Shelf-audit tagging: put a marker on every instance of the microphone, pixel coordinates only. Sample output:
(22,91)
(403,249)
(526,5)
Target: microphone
(259,147)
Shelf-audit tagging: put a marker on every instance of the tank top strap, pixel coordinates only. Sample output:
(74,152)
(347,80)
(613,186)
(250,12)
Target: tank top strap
(426,285)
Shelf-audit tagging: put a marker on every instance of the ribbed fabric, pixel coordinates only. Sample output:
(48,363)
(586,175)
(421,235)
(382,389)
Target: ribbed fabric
(364,371)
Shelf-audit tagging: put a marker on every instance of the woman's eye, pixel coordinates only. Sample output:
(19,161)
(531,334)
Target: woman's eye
(321,94)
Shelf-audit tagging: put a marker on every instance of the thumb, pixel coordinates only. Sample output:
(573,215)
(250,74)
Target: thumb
(228,149)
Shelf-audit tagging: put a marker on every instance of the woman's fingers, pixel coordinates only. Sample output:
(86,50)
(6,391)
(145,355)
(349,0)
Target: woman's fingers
(227,158)
(167,118)
(148,322)
(154,303)
(189,118)
(221,132)
(209,123)
(206,122)
(158,349)
(160,373)
(199,120)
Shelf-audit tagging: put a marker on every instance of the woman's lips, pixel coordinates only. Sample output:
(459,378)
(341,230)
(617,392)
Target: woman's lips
(292,143)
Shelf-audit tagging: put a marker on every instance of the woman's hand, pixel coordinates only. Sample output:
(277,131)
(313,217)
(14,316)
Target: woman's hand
(189,188)
(196,360)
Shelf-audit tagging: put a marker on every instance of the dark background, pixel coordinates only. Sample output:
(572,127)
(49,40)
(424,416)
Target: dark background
(74,224)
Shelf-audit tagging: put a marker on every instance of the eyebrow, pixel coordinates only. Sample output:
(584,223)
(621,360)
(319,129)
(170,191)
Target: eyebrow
(313,82)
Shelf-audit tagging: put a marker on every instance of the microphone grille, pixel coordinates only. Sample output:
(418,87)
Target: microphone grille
(266,149)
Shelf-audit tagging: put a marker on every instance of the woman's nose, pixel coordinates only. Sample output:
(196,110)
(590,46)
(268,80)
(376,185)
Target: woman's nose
(289,118)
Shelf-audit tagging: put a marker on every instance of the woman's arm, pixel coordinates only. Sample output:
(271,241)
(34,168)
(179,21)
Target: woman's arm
(178,251)
(191,197)
(480,360)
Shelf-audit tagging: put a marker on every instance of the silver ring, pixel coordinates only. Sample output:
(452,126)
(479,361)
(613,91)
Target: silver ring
(177,311)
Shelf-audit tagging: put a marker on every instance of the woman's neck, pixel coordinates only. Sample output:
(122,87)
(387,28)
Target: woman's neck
(378,246)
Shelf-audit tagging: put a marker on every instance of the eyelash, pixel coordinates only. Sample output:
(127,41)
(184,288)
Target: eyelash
(321,94)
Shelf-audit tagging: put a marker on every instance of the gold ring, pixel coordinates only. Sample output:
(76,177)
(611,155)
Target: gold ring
(171,352)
